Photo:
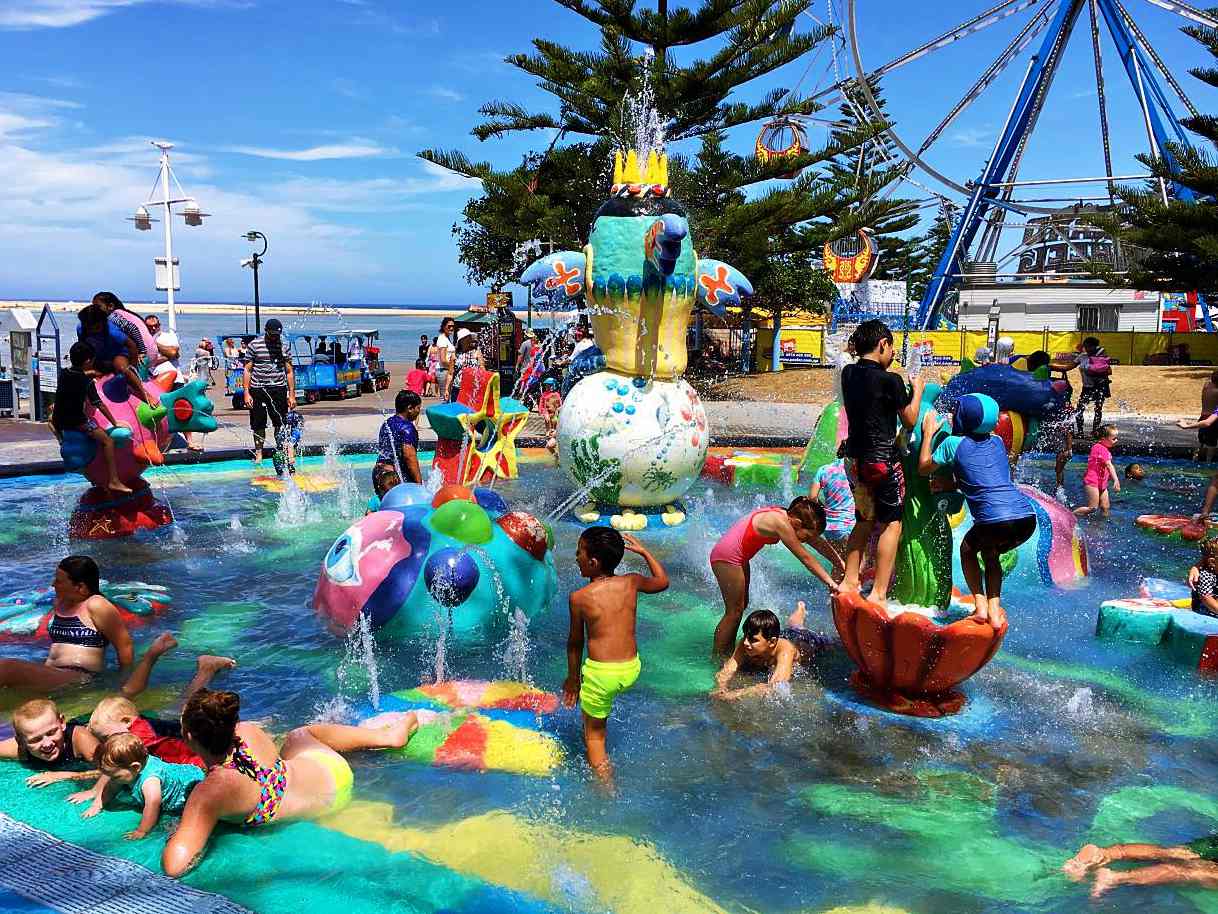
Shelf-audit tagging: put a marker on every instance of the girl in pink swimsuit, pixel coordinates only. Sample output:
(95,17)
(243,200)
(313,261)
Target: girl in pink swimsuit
(803,521)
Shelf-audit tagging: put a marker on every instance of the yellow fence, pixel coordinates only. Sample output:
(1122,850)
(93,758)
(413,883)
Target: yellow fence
(805,346)
(1131,347)
(799,347)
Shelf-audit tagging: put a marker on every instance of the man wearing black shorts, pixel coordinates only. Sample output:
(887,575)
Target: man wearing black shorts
(270,388)
(875,399)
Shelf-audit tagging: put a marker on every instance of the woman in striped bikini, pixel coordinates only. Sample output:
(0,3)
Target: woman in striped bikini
(83,624)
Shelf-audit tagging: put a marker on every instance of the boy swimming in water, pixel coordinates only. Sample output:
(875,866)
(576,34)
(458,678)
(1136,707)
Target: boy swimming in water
(605,608)
(765,646)
(43,739)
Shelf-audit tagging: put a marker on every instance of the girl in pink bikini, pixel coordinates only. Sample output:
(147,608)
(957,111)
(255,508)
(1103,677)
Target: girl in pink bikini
(803,521)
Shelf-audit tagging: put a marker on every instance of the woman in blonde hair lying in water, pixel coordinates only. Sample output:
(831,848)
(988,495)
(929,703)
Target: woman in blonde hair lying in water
(252,783)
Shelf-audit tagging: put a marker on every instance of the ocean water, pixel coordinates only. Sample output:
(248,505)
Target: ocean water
(811,803)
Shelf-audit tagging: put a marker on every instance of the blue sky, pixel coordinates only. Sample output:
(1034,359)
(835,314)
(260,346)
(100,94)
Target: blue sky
(300,118)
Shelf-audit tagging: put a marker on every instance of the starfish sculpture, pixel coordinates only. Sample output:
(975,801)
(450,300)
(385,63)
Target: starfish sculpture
(492,431)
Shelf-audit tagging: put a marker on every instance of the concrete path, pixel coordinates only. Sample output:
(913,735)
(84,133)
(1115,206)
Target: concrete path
(29,447)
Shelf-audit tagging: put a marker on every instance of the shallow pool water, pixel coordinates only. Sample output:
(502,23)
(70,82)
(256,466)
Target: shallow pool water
(809,803)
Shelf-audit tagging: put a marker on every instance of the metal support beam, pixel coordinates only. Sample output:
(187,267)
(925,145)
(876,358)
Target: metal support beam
(1148,91)
(1010,143)
(1100,97)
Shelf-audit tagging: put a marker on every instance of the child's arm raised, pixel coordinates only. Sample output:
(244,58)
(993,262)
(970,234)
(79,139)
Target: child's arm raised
(658,579)
(926,463)
(152,809)
(909,412)
(575,653)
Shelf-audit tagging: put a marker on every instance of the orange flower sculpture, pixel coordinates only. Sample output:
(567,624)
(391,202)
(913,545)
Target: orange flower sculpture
(909,663)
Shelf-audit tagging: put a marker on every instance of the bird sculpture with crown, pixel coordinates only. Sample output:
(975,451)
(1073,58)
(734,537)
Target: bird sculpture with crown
(635,435)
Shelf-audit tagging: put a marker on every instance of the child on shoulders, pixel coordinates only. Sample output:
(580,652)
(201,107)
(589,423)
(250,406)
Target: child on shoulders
(764,646)
(604,613)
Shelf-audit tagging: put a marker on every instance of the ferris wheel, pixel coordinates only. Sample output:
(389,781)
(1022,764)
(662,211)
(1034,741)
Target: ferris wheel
(993,202)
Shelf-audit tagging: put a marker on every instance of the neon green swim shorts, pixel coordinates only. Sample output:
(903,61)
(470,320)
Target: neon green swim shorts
(603,682)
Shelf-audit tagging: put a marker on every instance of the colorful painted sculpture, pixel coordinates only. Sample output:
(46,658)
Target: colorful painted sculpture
(28,613)
(1056,554)
(1162,615)
(635,435)
(476,435)
(476,726)
(459,561)
(102,514)
(1186,528)
(908,662)
(1014,390)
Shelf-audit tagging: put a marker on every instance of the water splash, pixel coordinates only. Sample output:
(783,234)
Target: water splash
(641,123)
(359,670)
(295,507)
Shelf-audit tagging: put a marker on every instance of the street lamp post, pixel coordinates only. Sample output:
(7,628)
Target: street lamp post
(143,222)
(253,263)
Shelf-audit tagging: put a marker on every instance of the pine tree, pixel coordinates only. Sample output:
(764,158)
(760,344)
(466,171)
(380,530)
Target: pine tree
(739,208)
(1173,246)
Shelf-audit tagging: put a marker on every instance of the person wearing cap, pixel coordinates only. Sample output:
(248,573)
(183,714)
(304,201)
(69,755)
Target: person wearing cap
(468,356)
(1003,517)
(270,388)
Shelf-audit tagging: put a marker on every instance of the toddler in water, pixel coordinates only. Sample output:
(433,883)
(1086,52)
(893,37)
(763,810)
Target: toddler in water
(1099,471)
(831,487)
(159,786)
(1203,579)
(605,609)
(765,646)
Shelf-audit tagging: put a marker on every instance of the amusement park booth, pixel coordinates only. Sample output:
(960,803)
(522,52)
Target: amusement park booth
(500,333)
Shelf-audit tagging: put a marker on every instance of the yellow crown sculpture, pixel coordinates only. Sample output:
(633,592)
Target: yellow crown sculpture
(627,172)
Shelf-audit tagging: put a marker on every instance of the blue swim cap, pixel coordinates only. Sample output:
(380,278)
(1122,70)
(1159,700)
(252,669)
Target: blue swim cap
(976,414)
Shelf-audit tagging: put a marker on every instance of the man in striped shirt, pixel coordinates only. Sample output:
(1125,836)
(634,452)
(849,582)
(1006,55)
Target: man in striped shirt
(270,388)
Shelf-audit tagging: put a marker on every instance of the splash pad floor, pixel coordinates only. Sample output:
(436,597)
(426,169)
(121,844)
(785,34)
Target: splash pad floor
(806,804)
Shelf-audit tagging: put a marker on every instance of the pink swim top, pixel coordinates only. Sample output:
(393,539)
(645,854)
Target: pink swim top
(1097,466)
(742,541)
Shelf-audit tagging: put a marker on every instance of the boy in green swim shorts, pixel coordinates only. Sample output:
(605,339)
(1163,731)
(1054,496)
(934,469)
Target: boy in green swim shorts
(605,607)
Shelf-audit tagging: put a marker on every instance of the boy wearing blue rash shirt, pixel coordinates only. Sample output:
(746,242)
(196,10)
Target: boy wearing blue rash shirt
(1003,517)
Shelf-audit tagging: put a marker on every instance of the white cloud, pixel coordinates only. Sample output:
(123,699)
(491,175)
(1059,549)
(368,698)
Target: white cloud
(355,149)
(63,228)
(58,14)
(971,136)
(374,195)
(445,94)
(11,123)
